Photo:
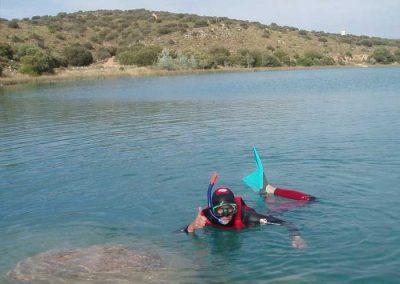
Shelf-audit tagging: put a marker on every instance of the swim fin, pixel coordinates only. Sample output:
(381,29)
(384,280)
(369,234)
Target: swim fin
(256,179)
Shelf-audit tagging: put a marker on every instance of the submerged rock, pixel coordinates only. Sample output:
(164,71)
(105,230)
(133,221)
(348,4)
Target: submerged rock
(96,264)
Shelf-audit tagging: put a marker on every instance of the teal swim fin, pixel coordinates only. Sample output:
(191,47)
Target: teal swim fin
(256,179)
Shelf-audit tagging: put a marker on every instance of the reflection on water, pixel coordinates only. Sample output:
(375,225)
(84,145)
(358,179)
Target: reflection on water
(127,161)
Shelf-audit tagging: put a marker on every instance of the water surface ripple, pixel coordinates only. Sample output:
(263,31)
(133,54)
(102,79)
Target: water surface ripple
(127,161)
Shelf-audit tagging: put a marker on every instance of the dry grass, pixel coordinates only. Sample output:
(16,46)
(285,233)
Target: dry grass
(101,72)
(135,26)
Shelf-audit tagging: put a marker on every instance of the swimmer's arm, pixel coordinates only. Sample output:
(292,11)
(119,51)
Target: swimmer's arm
(197,223)
(266,219)
(297,240)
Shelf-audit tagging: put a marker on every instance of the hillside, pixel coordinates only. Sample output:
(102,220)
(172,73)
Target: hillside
(171,41)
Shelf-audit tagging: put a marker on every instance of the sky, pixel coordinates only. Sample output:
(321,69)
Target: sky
(357,17)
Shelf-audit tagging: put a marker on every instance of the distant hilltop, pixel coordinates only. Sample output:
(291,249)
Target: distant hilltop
(170,41)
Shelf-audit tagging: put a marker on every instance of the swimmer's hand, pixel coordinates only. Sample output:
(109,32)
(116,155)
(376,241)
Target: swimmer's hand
(198,223)
(298,242)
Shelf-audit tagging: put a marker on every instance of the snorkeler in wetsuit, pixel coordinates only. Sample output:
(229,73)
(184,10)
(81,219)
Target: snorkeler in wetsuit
(230,212)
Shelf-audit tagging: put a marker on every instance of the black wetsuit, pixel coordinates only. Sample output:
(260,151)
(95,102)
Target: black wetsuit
(249,217)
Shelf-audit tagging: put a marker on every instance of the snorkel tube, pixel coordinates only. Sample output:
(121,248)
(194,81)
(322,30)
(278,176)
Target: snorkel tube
(210,187)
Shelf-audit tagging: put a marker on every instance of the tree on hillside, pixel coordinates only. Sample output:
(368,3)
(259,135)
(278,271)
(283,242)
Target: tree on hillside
(283,57)
(244,58)
(13,24)
(6,51)
(25,49)
(140,55)
(37,63)
(397,55)
(311,58)
(382,55)
(78,56)
(365,42)
(165,60)
(219,56)
(270,61)
(182,60)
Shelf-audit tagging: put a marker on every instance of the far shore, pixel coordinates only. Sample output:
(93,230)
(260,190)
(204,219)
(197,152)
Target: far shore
(115,71)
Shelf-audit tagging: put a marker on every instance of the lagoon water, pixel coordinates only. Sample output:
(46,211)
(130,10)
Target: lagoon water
(128,161)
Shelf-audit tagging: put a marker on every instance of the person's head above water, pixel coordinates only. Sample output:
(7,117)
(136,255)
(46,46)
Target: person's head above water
(223,205)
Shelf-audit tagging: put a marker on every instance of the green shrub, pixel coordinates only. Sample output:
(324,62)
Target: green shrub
(54,27)
(397,55)
(266,33)
(274,26)
(16,39)
(271,48)
(219,56)
(346,39)
(103,33)
(164,30)
(203,59)
(25,49)
(88,45)
(200,24)
(382,55)
(326,61)
(111,49)
(105,52)
(283,57)
(377,41)
(1,71)
(279,53)
(165,61)
(111,36)
(304,61)
(170,28)
(95,39)
(78,56)
(6,51)
(61,15)
(270,61)
(311,58)
(243,58)
(60,36)
(148,56)
(313,55)
(244,26)
(302,32)
(13,24)
(365,42)
(139,55)
(38,63)
(102,54)
(258,58)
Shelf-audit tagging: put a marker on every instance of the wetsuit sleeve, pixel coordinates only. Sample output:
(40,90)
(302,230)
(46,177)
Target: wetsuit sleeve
(184,229)
(252,217)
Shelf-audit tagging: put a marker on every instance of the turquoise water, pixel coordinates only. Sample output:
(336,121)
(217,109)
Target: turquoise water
(128,161)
